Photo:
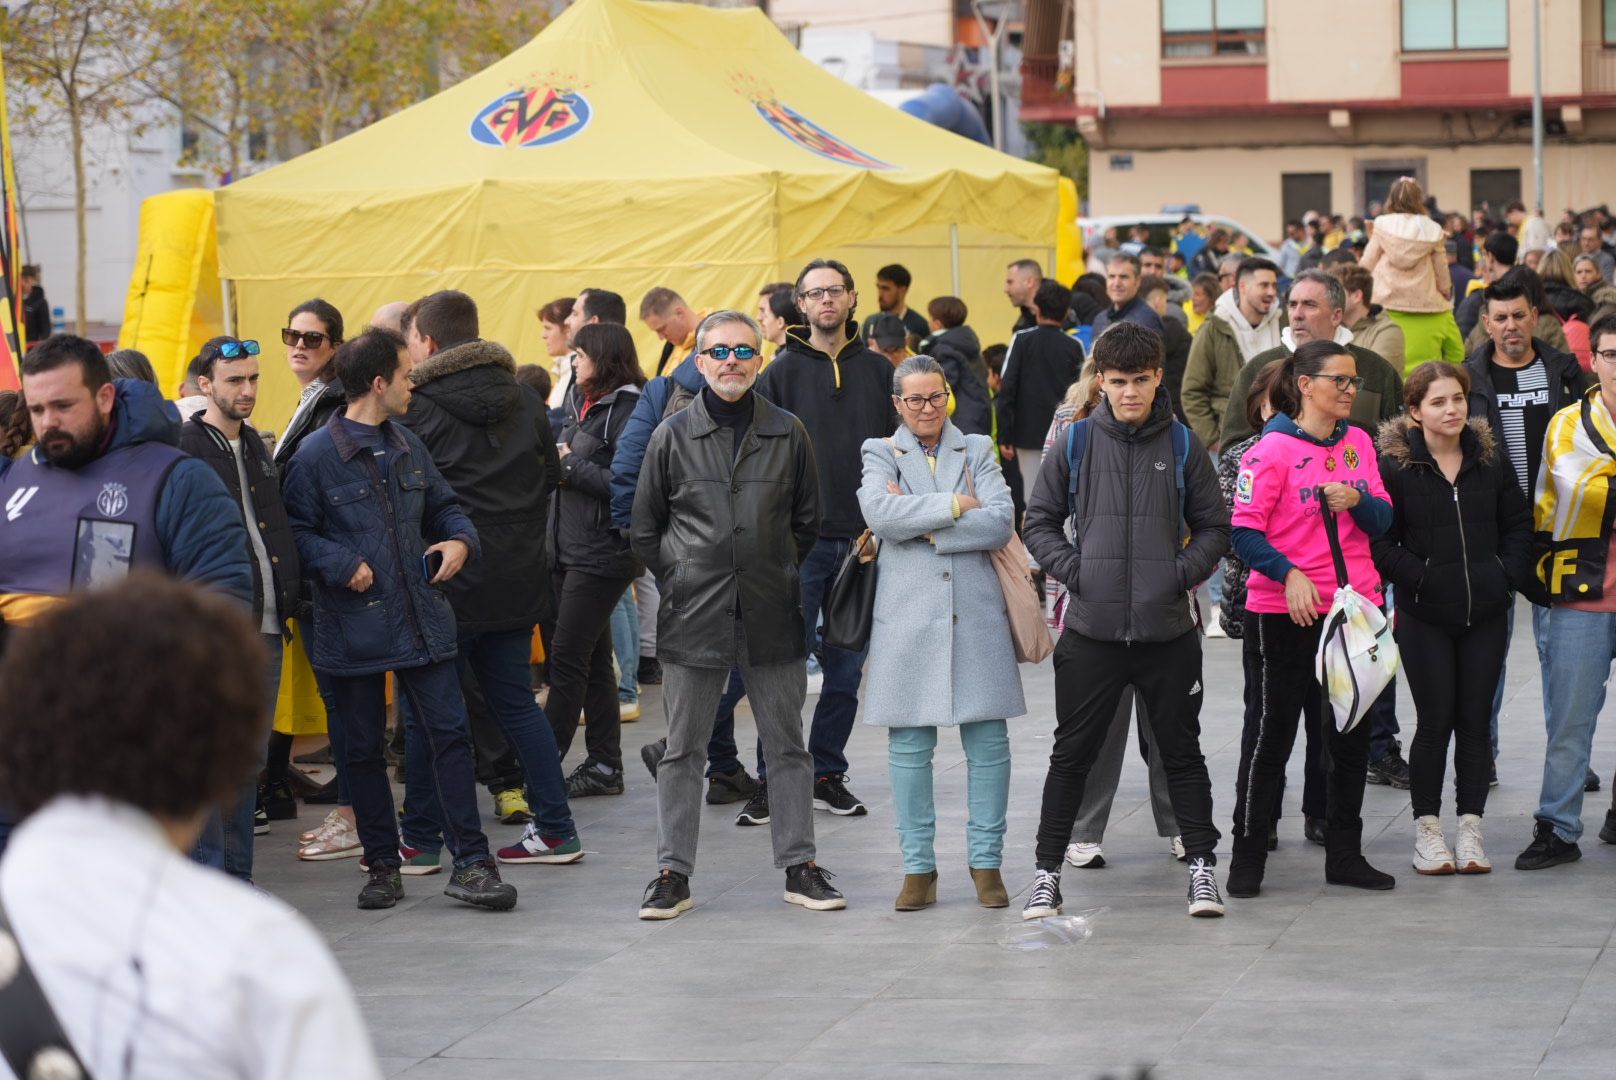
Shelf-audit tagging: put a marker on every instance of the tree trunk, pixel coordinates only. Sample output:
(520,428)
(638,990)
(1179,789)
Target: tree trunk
(75,116)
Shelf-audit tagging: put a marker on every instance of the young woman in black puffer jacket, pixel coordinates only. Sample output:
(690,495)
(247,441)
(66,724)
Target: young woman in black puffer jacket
(1458,548)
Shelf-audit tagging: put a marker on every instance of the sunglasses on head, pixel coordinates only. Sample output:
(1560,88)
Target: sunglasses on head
(312,339)
(721,352)
(235,350)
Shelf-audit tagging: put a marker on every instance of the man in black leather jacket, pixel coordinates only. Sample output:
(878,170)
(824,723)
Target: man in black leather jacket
(726,510)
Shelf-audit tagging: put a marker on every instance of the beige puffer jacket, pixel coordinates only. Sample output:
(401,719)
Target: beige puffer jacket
(1406,257)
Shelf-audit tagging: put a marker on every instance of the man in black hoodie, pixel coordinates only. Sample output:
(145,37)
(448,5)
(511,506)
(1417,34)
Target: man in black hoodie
(491,439)
(842,393)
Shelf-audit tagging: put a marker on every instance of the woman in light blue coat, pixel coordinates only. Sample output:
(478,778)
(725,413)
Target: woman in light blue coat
(940,648)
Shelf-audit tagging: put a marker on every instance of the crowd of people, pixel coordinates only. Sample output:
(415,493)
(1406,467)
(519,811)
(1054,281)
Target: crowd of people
(475,557)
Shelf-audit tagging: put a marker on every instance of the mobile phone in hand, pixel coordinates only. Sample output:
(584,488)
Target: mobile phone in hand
(431,563)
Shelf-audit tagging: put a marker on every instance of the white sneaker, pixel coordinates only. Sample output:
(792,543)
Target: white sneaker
(1214,624)
(1468,856)
(1431,852)
(1177,845)
(1086,856)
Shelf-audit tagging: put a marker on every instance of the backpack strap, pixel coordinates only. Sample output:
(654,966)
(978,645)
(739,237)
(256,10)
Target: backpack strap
(1077,444)
(1181,453)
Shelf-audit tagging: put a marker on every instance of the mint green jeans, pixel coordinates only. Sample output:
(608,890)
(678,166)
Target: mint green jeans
(987,793)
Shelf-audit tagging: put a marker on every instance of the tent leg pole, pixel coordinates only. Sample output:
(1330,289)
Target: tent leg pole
(226,295)
(953,256)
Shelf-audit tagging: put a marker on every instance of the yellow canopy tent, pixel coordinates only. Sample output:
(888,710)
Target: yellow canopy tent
(629,145)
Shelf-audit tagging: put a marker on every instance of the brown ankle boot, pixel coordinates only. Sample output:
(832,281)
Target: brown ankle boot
(919,890)
(990,891)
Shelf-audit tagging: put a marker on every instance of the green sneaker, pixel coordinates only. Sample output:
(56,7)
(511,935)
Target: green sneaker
(414,862)
(539,849)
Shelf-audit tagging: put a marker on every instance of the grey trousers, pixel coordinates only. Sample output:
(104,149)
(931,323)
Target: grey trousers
(690,699)
(1094,813)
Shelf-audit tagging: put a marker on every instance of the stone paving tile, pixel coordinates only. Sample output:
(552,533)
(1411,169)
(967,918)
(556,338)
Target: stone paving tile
(1308,979)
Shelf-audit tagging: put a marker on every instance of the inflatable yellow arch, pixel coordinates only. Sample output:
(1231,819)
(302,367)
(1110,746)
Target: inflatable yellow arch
(174,302)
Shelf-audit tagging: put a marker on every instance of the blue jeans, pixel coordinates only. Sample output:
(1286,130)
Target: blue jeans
(226,840)
(1576,650)
(626,646)
(431,692)
(987,793)
(844,670)
(499,660)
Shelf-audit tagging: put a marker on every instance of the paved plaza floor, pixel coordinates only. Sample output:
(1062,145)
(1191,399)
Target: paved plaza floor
(1499,977)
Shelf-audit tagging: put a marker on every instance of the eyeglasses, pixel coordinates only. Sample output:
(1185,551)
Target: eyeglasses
(235,350)
(835,292)
(312,339)
(721,352)
(917,402)
(1343,382)
(1607,355)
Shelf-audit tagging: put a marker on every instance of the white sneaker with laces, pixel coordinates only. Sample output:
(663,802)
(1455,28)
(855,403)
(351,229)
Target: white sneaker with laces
(1085,856)
(1176,843)
(1214,624)
(1431,852)
(1468,856)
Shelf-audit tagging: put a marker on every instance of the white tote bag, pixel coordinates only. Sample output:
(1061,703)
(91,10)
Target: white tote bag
(1357,654)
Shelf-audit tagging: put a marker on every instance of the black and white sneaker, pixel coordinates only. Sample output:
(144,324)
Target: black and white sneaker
(808,885)
(667,897)
(479,885)
(260,821)
(756,811)
(1045,898)
(830,793)
(588,779)
(1205,900)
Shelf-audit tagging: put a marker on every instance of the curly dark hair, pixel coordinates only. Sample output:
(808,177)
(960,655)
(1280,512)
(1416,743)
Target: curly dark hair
(150,692)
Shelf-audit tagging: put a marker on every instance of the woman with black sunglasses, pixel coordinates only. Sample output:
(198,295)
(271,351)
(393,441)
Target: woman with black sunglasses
(593,563)
(311,337)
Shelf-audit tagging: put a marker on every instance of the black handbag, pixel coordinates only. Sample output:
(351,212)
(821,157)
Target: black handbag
(850,604)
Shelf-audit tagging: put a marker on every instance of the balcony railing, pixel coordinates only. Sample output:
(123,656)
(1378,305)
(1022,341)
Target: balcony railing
(1046,90)
(1598,69)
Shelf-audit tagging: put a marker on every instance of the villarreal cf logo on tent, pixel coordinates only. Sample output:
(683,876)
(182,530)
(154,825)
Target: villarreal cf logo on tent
(539,115)
(811,137)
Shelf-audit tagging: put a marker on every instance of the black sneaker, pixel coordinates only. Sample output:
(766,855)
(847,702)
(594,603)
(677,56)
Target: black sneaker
(830,793)
(1391,770)
(756,811)
(277,801)
(1045,898)
(652,754)
(479,885)
(587,780)
(1591,781)
(1546,850)
(260,821)
(1608,832)
(808,885)
(324,795)
(1205,900)
(650,673)
(1313,829)
(724,788)
(383,888)
(667,897)
(1273,836)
